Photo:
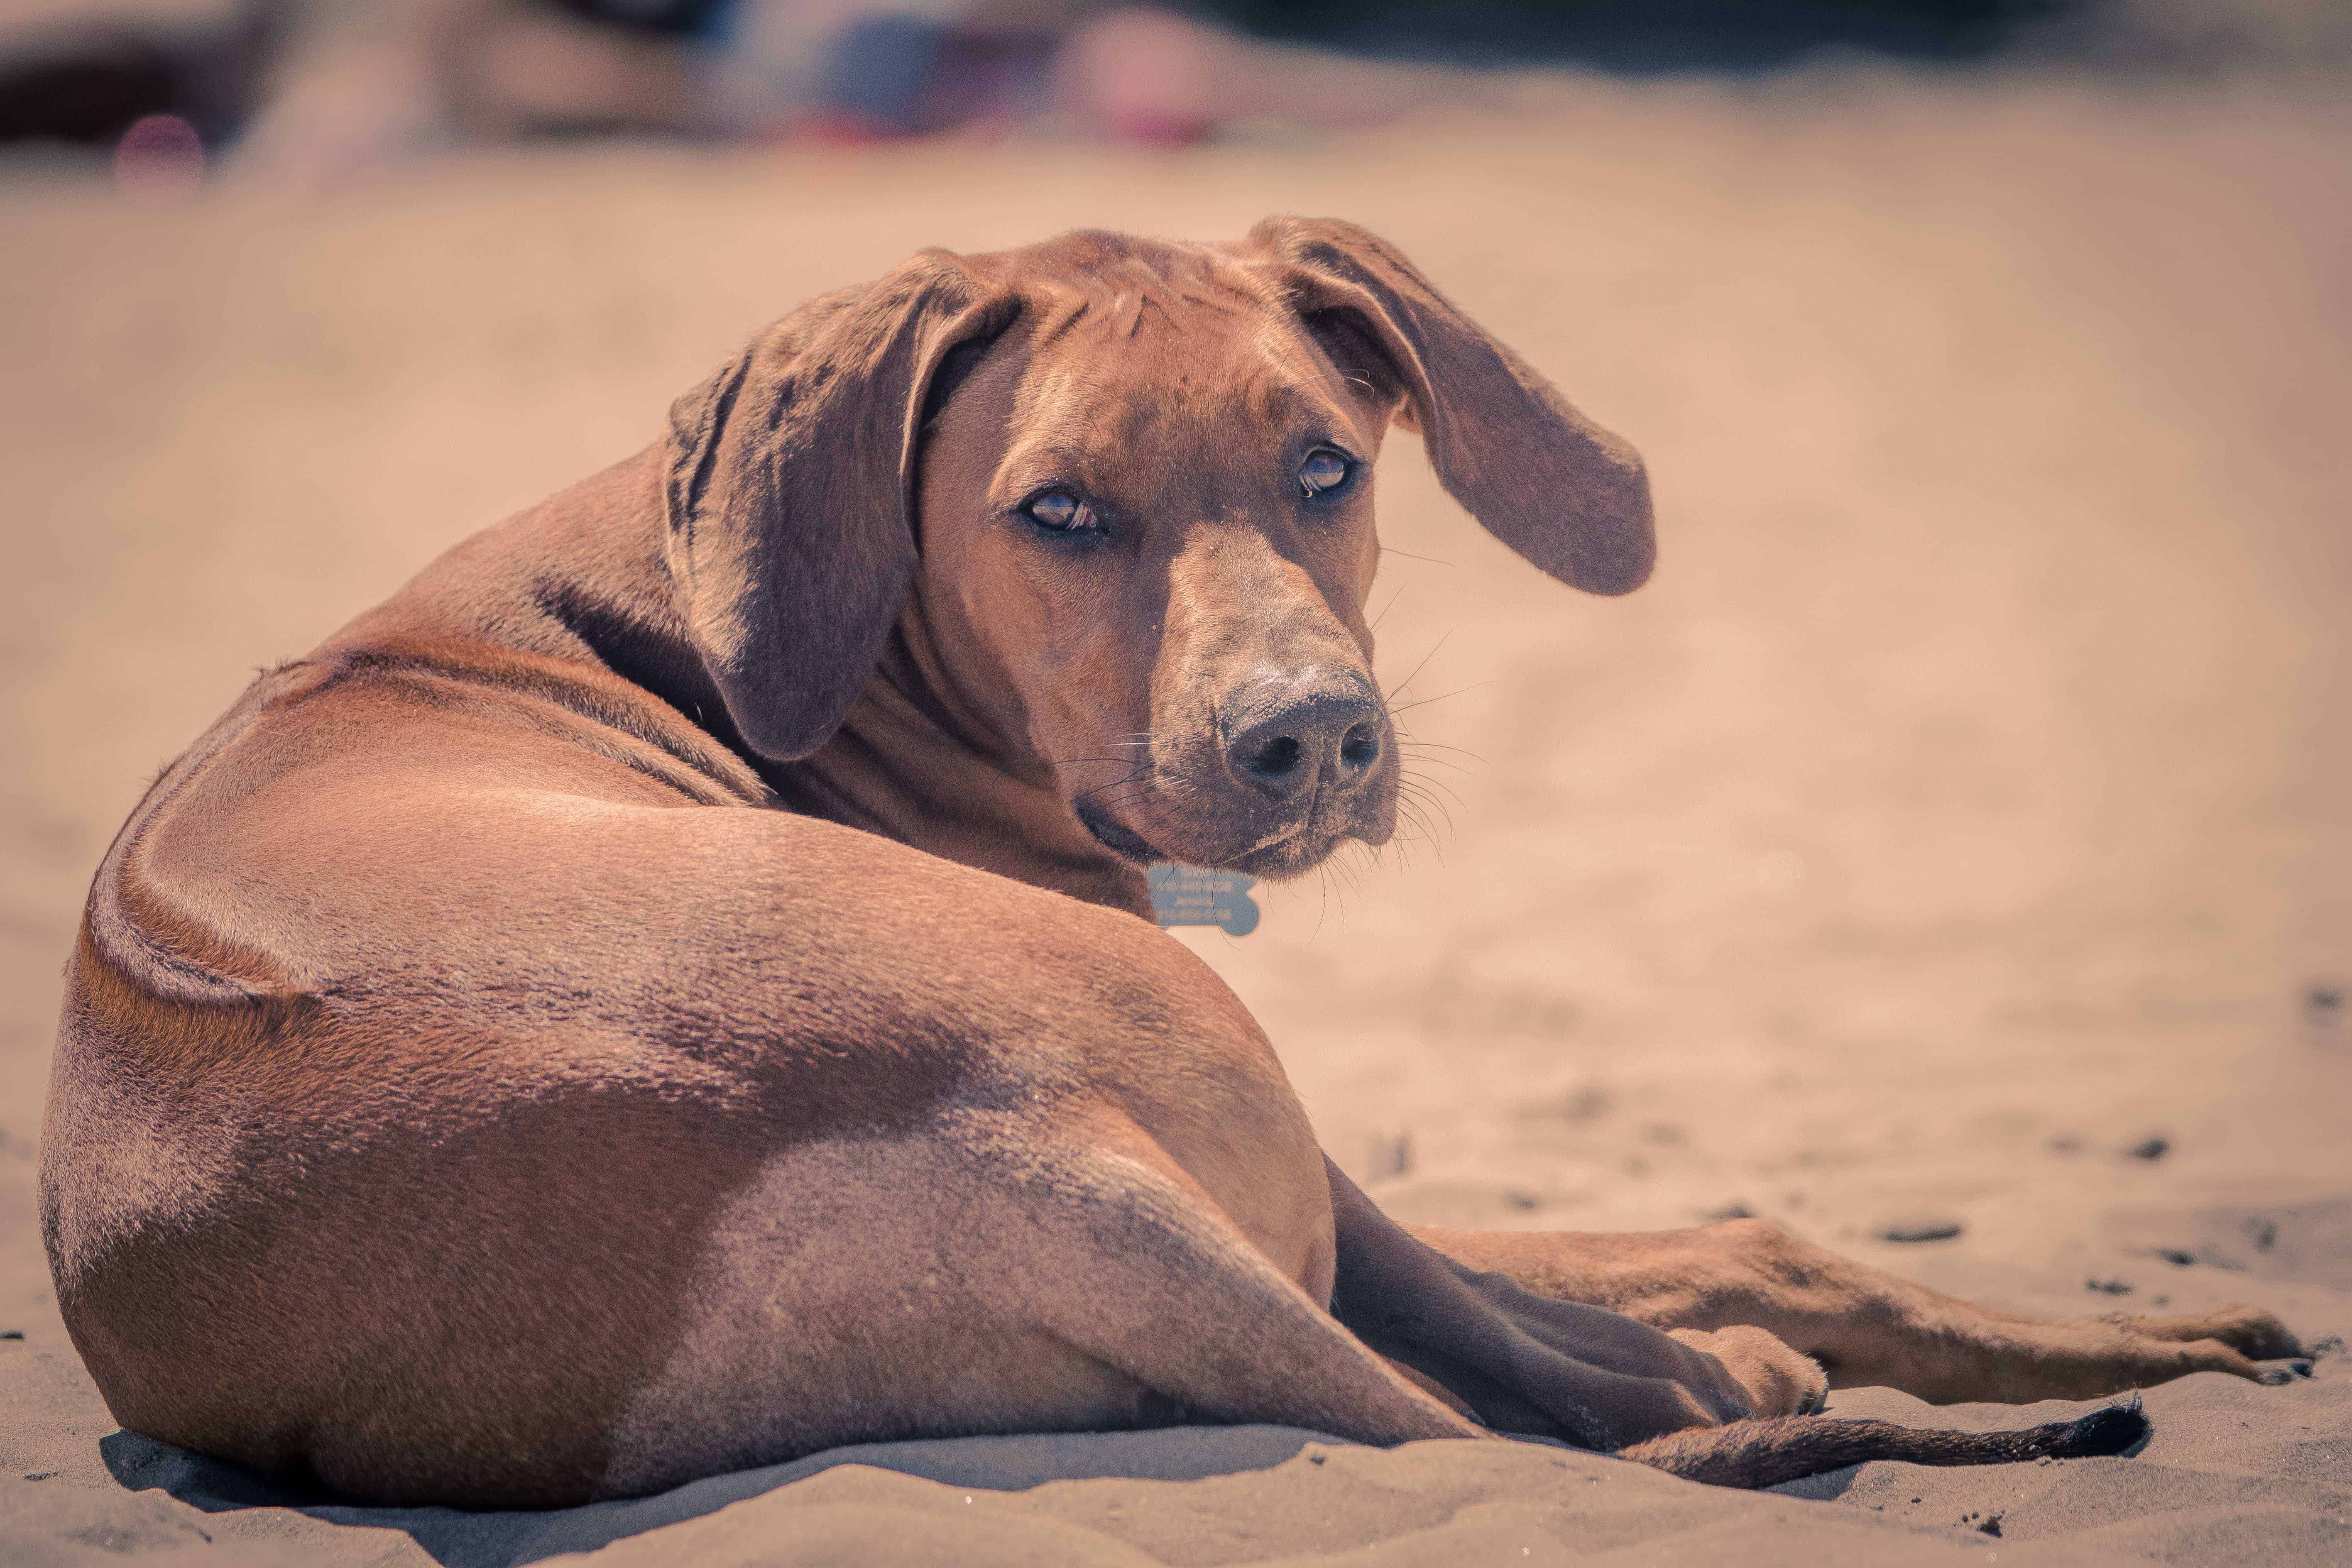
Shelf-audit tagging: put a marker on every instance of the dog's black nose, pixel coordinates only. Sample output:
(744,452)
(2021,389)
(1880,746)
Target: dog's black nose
(1285,739)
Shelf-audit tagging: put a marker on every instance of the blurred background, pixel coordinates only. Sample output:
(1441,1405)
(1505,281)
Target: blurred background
(316,89)
(1954,842)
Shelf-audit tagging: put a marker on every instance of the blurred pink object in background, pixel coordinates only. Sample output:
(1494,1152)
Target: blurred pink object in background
(161,160)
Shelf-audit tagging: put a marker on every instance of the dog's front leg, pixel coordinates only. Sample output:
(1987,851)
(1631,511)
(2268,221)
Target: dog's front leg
(1864,1326)
(1526,1363)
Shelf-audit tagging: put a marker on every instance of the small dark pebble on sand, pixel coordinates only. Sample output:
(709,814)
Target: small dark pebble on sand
(2174,1255)
(2108,1286)
(1923,1227)
(2150,1149)
(1991,1524)
(43,1475)
(2323,1014)
(12,1333)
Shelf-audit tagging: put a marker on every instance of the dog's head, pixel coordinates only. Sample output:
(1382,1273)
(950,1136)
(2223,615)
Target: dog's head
(1118,494)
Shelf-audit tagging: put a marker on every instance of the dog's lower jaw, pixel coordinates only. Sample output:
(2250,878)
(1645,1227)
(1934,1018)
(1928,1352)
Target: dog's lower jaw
(1115,835)
(1276,850)
(1314,839)
(1291,854)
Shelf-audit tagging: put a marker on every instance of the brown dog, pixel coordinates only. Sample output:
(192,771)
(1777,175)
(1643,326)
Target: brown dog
(666,992)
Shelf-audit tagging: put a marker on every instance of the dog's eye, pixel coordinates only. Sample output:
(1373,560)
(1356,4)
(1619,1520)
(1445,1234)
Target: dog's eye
(1323,470)
(1061,509)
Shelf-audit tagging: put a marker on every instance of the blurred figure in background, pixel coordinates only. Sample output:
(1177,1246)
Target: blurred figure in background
(310,92)
(313,90)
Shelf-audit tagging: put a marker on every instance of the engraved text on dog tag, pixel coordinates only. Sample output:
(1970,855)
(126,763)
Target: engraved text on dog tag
(1203,896)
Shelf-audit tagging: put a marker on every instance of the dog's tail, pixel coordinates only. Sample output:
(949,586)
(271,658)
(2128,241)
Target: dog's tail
(1752,1454)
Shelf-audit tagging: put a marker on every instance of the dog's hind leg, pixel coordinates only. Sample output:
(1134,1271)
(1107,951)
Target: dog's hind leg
(999,1271)
(1864,1326)
(1090,1283)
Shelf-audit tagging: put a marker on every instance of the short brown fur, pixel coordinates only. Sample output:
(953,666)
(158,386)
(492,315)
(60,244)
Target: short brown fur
(666,992)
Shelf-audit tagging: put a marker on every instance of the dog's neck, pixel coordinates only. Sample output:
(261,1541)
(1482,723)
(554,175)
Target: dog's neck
(916,760)
(585,576)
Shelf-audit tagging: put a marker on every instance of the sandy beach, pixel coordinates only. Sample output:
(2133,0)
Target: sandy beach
(1955,839)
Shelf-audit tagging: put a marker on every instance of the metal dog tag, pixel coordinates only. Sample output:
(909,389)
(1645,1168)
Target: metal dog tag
(1202,896)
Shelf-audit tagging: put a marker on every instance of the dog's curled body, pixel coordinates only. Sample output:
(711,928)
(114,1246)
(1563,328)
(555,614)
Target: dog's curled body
(454,1030)
(666,992)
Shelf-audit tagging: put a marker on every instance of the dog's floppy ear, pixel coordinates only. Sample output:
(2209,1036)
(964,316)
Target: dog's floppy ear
(790,494)
(1549,482)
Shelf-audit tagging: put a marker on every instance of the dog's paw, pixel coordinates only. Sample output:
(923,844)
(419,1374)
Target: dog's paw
(2256,1334)
(2253,1334)
(1776,1379)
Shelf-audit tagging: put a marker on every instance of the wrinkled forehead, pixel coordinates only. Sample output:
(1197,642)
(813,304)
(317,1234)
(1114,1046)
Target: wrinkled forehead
(1139,351)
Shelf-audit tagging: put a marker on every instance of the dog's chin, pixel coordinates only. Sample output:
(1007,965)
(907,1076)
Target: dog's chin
(1293,854)
(1292,857)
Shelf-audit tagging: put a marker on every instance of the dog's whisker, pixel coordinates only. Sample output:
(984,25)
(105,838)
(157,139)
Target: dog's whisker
(1406,736)
(1442,804)
(1418,836)
(1429,785)
(1423,807)
(1421,745)
(1424,701)
(1111,802)
(1426,800)
(1391,698)
(1409,555)
(1133,772)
